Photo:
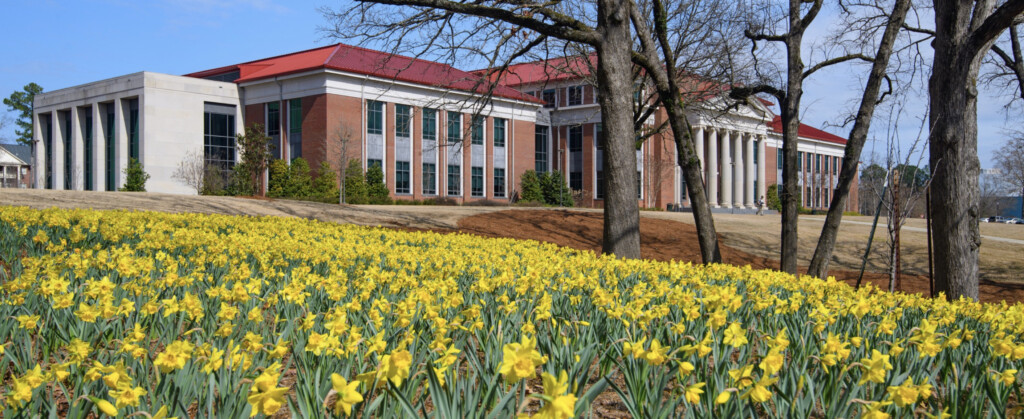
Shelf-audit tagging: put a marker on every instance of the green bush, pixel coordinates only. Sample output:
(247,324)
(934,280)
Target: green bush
(135,177)
(300,182)
(531,190)
(279,179)
(355,183)
(772,198)
(556,192)
(325,186)
(376,191)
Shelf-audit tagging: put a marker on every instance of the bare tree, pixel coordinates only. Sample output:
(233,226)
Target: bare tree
(1006,63)
(605,28)
(964,32)
(797,19)
(345,141)
(191,171)
(992,190)
(1009,160)
(858,135)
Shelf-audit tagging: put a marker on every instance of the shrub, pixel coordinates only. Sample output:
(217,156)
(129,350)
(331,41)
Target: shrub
(376,191)
(774,202)
(556,192)
(135,177)
(279,179)
(325,186)
(254,157)
(300,182)
(355,183)
(531,188)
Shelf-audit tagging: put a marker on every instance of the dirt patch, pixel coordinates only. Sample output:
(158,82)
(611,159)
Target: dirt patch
(666,240)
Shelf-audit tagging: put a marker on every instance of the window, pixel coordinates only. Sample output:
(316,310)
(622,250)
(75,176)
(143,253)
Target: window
(133,130)
(403,121)
(68,147)
(800,161)
(429,179)
(477,133)
(575,94)
(756,148)
(499,183)
(835,166)
(778,157)
(109,141)
(826,163)
(639,185)
(274,128)
(401,177)
(294,129)
(477,181)
(219,137)
(89,150)
(454,127)
(817,163)
(499,132)
(374,117)
(576,157)
(429,124)
(48,143)
(540,154)
(600,184)
(550,98)
(374,162)
(454,180)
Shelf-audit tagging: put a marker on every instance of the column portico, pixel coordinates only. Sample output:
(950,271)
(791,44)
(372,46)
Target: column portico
(727,166)
(761,186)
(738,181)
(712,168)
(748,171)
(699,145)
(98,149)
(77,152)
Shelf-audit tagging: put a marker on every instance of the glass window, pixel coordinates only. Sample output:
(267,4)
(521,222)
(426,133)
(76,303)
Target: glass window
(454,180)
(374,117)
(109,142)
(48,143)
(800,161)
(835,166)
(133,130)
(778,157)
(429,124)
(454,127)
(402,177)
(294,129)
(639,185)
(403,121)
(429,179)
(817,163)
(540,154)
(219,141)
(600,184)
(576,157)
(274,128)
(374,162)
(575,94)
(826,163)
(499,132)
(499,183)
(89,151)
(550,98)
(477,134)
(477,181)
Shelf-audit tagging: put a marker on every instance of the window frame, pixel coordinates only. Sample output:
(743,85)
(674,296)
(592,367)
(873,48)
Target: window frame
(374,117)
(572,91)
(476,184)
(403,184)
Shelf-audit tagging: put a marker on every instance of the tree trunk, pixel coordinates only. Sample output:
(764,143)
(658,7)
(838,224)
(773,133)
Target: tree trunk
(855,144)
(615,92)
(790,125)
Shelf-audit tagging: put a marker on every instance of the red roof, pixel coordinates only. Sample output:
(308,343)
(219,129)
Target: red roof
(807,131)
(369,62)
(544,71)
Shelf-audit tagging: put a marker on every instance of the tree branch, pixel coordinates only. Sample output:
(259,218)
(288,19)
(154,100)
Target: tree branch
(994,25)
(837,60)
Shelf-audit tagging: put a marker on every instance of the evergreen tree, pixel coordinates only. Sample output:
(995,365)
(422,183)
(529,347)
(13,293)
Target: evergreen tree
(21,103)
(135,177)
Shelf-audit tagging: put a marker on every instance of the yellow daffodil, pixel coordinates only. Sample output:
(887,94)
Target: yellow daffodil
(348,394)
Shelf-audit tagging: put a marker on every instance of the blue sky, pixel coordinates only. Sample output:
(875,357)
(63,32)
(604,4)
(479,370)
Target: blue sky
(65,43)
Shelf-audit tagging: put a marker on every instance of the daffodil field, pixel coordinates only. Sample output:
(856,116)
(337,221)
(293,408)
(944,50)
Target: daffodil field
(183,315)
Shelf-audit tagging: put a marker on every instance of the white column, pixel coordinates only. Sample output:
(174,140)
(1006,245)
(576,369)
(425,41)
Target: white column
(121,136)
(698,140)
(737,169)
(98,148)
(748,173)
(57,175)
(761,179)
(712,168)
(39,159)
(77,151)
(726,169)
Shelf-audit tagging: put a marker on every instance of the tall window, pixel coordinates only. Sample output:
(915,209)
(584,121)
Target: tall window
(429,179)
(48,143)
(375,162)
(827,158)
(454,127)
(68,146)
(800,161)
(403,121)
(835,165)
(576,157)
(429,124)
(454,180)
(550,98)
(499,183)
(477,133)
(274,128)
(374,117)
(817,163)
(401,177)
(639,185)
(778,157)
(600,185)
(89,149)
(499,132)
(477,181)
(133,130)
(599,161)
(108,144)
(219,137)
(294,129)
(575,95)
(540,154)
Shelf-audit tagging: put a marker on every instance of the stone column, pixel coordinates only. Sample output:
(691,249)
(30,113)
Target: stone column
(57,142)
(762,187)
(698,140)
(39,160)
(121,116)
(711,178)
(737,166)
(77,151)
(98,149)
(727,163)
(748,172)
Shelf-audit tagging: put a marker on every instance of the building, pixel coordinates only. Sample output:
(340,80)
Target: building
(436,131)
(15,166)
